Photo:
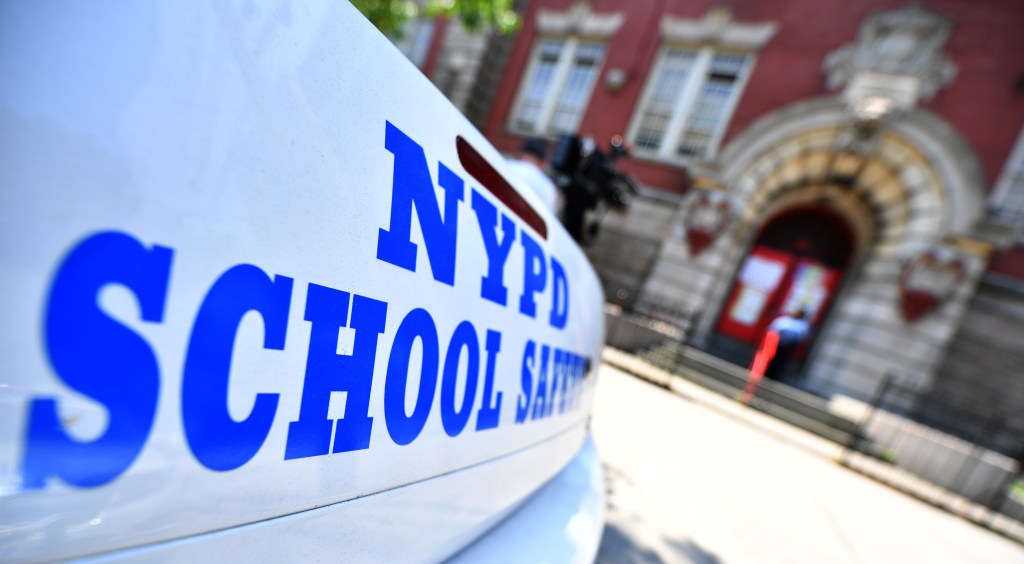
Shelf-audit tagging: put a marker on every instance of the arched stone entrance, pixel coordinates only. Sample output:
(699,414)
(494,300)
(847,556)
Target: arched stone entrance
(796,262)
(809,232)
(916,185)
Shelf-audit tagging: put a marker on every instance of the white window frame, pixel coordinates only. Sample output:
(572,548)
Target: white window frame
(414,43)
(685,103)
(1013,169)
(560,79)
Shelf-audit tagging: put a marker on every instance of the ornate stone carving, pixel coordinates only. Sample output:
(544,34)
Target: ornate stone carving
(929,279)
(708,215)
(857,137)
(903,43)
(718,28)
(579,20)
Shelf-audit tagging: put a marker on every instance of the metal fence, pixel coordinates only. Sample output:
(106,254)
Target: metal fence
(640,325)
(960,456)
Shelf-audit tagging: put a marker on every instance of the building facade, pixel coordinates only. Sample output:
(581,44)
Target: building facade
(861,161)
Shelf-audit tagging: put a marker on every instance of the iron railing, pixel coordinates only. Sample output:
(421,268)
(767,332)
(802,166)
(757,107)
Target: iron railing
(943,448)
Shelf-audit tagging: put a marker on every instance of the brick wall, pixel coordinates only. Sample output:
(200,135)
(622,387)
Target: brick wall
(985,102)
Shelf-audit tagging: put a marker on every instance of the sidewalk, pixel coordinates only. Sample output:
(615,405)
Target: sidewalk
(695,477)
(783,431)
(804,440)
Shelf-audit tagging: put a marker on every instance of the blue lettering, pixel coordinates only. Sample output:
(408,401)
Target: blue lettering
(526,382)
(492,286)
(559,295)
(413,187)
(327,371)
(405,428)
(557,378)
(217,441)
(571,381)
(100,358)
(490,404)
(534,274)
(577,381)
(540,400)
(454,421)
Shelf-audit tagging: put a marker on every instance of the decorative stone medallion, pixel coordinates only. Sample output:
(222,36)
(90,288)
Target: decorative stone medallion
(901,44)
(580,20)
(929,279)
(708,215)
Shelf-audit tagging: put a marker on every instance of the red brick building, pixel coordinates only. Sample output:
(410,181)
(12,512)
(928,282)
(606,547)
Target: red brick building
(983,103)
(860,160)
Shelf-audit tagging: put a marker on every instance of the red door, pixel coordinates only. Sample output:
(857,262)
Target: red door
(810,287)
(770,283)
(756,291)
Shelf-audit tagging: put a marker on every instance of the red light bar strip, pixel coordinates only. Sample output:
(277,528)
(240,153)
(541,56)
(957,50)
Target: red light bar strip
(476,165)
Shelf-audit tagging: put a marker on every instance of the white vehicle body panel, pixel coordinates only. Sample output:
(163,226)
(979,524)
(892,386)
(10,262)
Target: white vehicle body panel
(273,135)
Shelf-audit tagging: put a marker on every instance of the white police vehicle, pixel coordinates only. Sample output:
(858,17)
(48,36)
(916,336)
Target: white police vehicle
(267,296)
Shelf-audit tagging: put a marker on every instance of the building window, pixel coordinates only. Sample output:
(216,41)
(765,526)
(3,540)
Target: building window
(687,102)
(559,81)
(414,40)
(1008,197)
(670,77)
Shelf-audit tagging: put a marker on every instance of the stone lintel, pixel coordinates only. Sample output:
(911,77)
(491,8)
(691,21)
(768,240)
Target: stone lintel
(580,20)
(718,28)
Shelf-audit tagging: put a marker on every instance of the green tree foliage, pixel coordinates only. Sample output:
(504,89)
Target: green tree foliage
(475,15)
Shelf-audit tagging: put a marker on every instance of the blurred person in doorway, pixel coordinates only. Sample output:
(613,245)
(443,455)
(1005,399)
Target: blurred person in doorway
(529,166)
(793,330)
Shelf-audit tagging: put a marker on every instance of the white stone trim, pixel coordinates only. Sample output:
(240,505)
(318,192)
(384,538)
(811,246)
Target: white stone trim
(906,42)
(580,20)
(1015,161)
(944,149)
(952,158)
(718,28)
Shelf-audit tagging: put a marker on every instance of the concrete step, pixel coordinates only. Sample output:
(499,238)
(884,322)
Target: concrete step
(795,406)
(663,355)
